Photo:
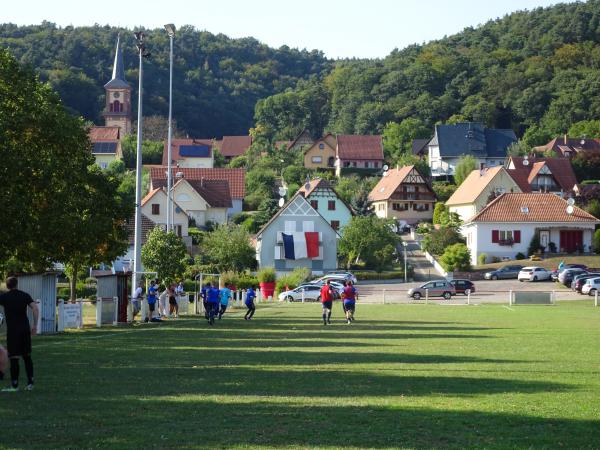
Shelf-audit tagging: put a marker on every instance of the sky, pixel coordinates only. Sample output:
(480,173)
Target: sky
(340,28)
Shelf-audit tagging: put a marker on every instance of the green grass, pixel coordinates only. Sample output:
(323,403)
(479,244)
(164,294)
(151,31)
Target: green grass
(548,263)
(402,376)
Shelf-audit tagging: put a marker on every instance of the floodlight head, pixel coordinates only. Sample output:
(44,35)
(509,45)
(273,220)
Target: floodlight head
(170,29)
(139,36)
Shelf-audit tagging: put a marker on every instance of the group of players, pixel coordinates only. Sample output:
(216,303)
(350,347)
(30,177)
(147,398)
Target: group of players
(349,296)
(215,301)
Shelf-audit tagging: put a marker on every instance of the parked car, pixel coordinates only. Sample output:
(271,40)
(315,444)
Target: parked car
(347,275)
(556,272)
(436,288)
(591,286)
(465,287)
(533,273)
(338,277)
(579,281)
(503,273)
(310,293)
(566,276)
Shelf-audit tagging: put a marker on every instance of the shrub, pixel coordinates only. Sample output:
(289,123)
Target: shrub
(229,278)
(293,279)
(196,235)
(597,241)
(423,228)
(266,275)
(246,280)
(439,209)
(482,258)
(552,246)
(534,245)
(456,257)
(496,259)
(391,275)
(438,241)
(521,256)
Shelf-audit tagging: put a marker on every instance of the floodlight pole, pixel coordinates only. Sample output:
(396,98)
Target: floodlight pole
(405,274)
(170,216)
(137,248)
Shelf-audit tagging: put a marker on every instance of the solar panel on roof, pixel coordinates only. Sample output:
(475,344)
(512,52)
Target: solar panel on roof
(105,147)
(198,151)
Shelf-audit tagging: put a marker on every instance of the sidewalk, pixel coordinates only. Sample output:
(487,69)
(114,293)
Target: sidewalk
(423,269)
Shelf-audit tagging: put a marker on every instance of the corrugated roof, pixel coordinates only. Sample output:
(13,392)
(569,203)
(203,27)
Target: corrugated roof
(387,185)
(473,186)
(232,146)
(235,177)
(177,143)
(531,207)
(359,147)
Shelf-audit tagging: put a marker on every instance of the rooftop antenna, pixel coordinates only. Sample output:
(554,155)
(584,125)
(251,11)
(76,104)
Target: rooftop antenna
(526,160)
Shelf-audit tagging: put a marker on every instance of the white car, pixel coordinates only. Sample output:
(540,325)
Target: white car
(340,277)
(591,286)
(310,292)
(533,273)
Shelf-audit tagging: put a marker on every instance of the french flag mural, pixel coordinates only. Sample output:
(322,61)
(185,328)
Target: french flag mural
(300,245)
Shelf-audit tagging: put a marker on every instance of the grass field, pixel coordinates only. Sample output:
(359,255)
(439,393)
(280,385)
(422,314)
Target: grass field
(401,376)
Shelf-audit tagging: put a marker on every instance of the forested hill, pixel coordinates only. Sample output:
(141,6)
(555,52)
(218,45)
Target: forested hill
(534,71)
(217,80)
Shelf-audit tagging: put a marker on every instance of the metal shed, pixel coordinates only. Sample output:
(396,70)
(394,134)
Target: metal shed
(115,285)
(42,288)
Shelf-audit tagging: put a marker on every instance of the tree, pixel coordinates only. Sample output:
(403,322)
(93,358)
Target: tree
(165,253)
(593,207)
(228,248)
(456,257)
(443,190)
(466,164)
(361,205)
(152,151)
(534,245)
(439,209)
(398,137)
(437,241)
(597,241)
(368,238)
(156,128)
(588,128)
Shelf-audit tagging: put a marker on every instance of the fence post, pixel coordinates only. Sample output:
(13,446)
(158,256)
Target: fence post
(510,297)
(80,306)
(426,296)
(40,316)
(384,296)
(469,297)
(99,312)
(129,309)
(302,295)
(596,297)
(61,315)
(243,297)
(553,297)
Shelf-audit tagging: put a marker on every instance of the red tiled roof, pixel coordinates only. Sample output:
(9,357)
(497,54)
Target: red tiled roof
(232,146)
(524,175)
(313,184)
(151,194)
(562,144)
(387,185)
(235,177)
(359,147)
(98,134)
(147,227)
(531,207)
(176,143)
(473,186)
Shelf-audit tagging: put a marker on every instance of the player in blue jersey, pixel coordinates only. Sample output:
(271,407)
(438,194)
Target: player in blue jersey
(250,296)
(152,297)
(224,296)
(212,302)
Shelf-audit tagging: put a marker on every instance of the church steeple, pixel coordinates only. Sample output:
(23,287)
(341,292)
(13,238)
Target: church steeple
(118,95)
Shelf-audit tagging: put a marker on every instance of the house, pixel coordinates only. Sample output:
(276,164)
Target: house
(124,263)
(190,153)
(566,147)
(542,174)
(324,199)
(487,145)
(506,226)
(117,112)
(154,206)
(321,154)
(236,179)
(106,144)
(478,189)
(202,200)
(302,141)
(358,152)
(297,236)
(233,146)
(420,147)
(403,194)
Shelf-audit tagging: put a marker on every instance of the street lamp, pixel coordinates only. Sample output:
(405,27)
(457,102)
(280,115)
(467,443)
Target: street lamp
(404,245)
(171,32)
(137,246)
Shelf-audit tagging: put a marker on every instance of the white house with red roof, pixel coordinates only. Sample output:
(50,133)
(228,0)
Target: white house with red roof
(154,207)
(542,174)
(190,153)
(106,144)
(323,198)
(507,225)
(358,152)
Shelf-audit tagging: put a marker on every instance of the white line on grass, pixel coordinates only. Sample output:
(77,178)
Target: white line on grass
(507,307)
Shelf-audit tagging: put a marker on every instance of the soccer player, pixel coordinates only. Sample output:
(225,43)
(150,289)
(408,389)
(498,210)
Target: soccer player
(213,303)
(173,306)
(152,291)
(350,296)
(250,296)
(136,300)
(204,295)
(327,300)
(18,332)
(224,295)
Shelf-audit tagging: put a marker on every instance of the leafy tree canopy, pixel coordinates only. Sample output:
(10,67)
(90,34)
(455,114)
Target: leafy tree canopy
(165,253)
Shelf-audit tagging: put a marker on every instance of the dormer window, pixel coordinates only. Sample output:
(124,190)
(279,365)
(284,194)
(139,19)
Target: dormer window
(525,209)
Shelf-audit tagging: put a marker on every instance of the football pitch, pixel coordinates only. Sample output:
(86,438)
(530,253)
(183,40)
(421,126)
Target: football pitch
(401,376)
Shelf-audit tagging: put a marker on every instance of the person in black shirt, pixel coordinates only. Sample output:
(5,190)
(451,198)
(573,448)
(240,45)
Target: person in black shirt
(18,332)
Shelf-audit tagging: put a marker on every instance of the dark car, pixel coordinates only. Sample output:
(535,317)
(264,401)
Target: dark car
(579,281)
(504,273)
(567,275)
(465,287)
(556,272)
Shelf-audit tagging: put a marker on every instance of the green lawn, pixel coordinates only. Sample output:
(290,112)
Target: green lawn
(548,263)
(402,376)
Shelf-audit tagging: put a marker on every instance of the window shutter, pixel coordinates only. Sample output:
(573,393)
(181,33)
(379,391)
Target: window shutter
(517,236)
(495,236)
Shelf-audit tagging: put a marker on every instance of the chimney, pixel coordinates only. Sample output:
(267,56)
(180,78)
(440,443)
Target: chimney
(566,139)
(397,166)
(202,182)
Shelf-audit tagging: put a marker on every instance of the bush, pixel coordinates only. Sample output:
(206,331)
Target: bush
(423,228)
(520,256)
(391,275)
(438,241)
(229,278)
(439,209)
(496,259)
(597,241)
(456,257)
(293,279)
(196,235)
(266,275)
(481,259)
(189,285)
(246,280)
(534,245)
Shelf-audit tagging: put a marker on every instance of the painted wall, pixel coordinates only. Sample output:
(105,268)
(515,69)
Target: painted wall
(187,163)
(328,151)
(385,210)
(341,213)
(103,160)
(179,218)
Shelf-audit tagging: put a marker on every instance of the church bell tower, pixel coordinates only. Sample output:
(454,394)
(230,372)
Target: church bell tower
(118,96)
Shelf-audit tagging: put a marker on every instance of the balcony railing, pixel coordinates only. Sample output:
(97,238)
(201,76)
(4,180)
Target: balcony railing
(412,196)
(507,242)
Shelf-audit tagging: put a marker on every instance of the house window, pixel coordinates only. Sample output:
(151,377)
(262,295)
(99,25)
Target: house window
(155,209)
(321,146)
(400,206)
(346,163)
(366,164)
(331,205)
(103,165)
(353,163)
(376,164)
(331,161)
(506,237)
(421,207)
(178,230)
(314,204)
(317,160)
(381,207)
(335,224)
